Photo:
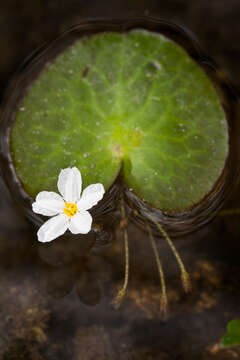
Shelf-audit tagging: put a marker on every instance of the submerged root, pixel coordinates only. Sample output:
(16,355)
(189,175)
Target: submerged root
(186,282)
(163,298)
(122,292)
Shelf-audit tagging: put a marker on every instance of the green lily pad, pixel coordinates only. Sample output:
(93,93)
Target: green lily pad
(133,102)
(232,336)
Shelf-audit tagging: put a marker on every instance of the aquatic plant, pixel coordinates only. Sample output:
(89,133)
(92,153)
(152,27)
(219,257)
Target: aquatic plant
(133,111)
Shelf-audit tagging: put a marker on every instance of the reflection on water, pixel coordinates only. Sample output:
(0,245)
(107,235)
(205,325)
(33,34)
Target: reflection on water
(74,268)
(56,300)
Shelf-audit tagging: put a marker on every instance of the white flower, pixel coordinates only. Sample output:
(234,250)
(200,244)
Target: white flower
(69,211)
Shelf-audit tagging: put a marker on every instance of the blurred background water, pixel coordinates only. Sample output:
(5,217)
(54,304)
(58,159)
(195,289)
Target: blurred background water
(55,301)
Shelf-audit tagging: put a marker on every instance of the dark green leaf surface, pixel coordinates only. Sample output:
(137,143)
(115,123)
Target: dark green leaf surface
(135,101)
(233,334)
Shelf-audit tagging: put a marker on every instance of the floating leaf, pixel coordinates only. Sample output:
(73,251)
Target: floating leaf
(134,102)
(232,336)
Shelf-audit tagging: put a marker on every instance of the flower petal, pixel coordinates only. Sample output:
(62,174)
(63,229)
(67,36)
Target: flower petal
(90,196)
(53,228)
(70,184)
(48,203)
(80,223)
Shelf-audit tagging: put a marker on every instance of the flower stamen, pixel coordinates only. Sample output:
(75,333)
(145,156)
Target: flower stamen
(70,209)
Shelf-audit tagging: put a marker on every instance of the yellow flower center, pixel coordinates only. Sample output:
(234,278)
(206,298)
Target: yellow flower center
(70,209)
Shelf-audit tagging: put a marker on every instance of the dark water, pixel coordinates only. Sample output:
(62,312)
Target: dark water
(56,300)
